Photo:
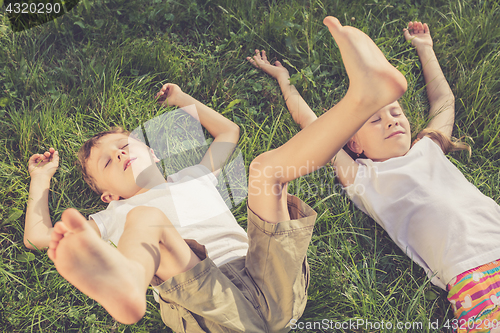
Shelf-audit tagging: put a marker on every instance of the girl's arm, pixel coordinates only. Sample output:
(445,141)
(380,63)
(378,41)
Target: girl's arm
(226,133)
(345,167)
(38,225)
(439,94)
(298,108)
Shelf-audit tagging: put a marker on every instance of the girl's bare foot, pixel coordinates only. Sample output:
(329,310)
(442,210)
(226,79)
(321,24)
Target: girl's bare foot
(277,70)
(373,81)
(97,269)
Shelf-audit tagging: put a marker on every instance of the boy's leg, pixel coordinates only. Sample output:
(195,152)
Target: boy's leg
(118,278)
(373,83)
(280,225)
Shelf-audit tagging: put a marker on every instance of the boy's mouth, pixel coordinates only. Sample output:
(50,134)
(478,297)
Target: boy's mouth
(128,162)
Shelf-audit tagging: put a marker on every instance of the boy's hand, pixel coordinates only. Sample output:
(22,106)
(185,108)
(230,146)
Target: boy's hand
(44,164)
(168,95)
(277,70)
(419,34)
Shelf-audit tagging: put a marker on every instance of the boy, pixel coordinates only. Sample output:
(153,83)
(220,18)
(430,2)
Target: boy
(260,292)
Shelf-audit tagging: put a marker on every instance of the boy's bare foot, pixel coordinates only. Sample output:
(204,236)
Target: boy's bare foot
(373,80)
(97,269)
(277,70)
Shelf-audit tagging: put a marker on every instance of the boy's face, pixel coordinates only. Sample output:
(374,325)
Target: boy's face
(115,164)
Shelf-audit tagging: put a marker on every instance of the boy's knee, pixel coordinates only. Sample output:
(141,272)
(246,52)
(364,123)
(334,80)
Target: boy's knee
(262,167)
(145,214)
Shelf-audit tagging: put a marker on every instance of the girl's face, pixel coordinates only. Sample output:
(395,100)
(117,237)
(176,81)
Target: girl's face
(385,135)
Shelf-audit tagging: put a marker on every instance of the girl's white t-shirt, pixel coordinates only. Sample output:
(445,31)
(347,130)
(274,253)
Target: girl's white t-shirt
(192,203)
(432,212)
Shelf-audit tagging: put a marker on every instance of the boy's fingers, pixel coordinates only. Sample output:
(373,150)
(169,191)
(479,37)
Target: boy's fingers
(419,27)
(426,28)
(33,158)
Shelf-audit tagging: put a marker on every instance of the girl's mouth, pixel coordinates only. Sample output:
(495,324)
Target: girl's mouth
(394,134)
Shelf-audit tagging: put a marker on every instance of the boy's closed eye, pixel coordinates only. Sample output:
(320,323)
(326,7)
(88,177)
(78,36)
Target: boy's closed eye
(109,160)
(375,121)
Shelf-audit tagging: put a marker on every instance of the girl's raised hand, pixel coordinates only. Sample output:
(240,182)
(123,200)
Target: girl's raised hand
(44,164)
(260,61)
(419,34)
(168,94)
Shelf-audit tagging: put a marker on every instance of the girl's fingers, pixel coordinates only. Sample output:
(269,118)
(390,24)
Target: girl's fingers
(264,57)
(406,33)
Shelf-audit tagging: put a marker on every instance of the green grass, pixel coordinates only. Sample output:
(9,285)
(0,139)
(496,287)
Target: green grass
(101,64)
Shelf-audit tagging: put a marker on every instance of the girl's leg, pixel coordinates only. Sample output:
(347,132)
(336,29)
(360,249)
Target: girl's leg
(118,278)
(373,83)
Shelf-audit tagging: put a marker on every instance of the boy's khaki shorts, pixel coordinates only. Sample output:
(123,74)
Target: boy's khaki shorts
(260,292)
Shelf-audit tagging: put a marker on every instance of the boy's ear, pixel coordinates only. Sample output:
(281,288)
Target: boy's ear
(156,159)
(107,197)
(354,146)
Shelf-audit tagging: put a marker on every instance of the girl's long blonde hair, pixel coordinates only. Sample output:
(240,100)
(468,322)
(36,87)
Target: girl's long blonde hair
(447,144)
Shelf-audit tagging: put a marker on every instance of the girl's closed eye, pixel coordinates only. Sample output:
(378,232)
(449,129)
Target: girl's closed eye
(376,120)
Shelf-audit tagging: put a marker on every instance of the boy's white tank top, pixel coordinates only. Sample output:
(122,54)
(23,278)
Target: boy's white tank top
(432,212)
(193,205)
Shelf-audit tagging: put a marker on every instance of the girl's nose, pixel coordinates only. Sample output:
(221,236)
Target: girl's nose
(393,122)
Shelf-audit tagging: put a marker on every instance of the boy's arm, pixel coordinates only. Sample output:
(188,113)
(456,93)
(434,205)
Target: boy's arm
(38,225)
(226,133)
(439,94)
(345,167)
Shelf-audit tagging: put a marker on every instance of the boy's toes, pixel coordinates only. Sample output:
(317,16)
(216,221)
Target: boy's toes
(59,230)
(332,23)
(52,254)
(74,220)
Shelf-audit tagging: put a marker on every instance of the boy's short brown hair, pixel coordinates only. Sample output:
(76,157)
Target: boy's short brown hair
(84,154)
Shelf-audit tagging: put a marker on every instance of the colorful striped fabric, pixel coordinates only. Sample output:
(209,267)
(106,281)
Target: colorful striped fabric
(475,297)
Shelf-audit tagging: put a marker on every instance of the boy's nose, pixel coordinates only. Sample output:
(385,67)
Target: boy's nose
(121,152)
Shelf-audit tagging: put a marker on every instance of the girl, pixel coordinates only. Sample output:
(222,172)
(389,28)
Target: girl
(417,195)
